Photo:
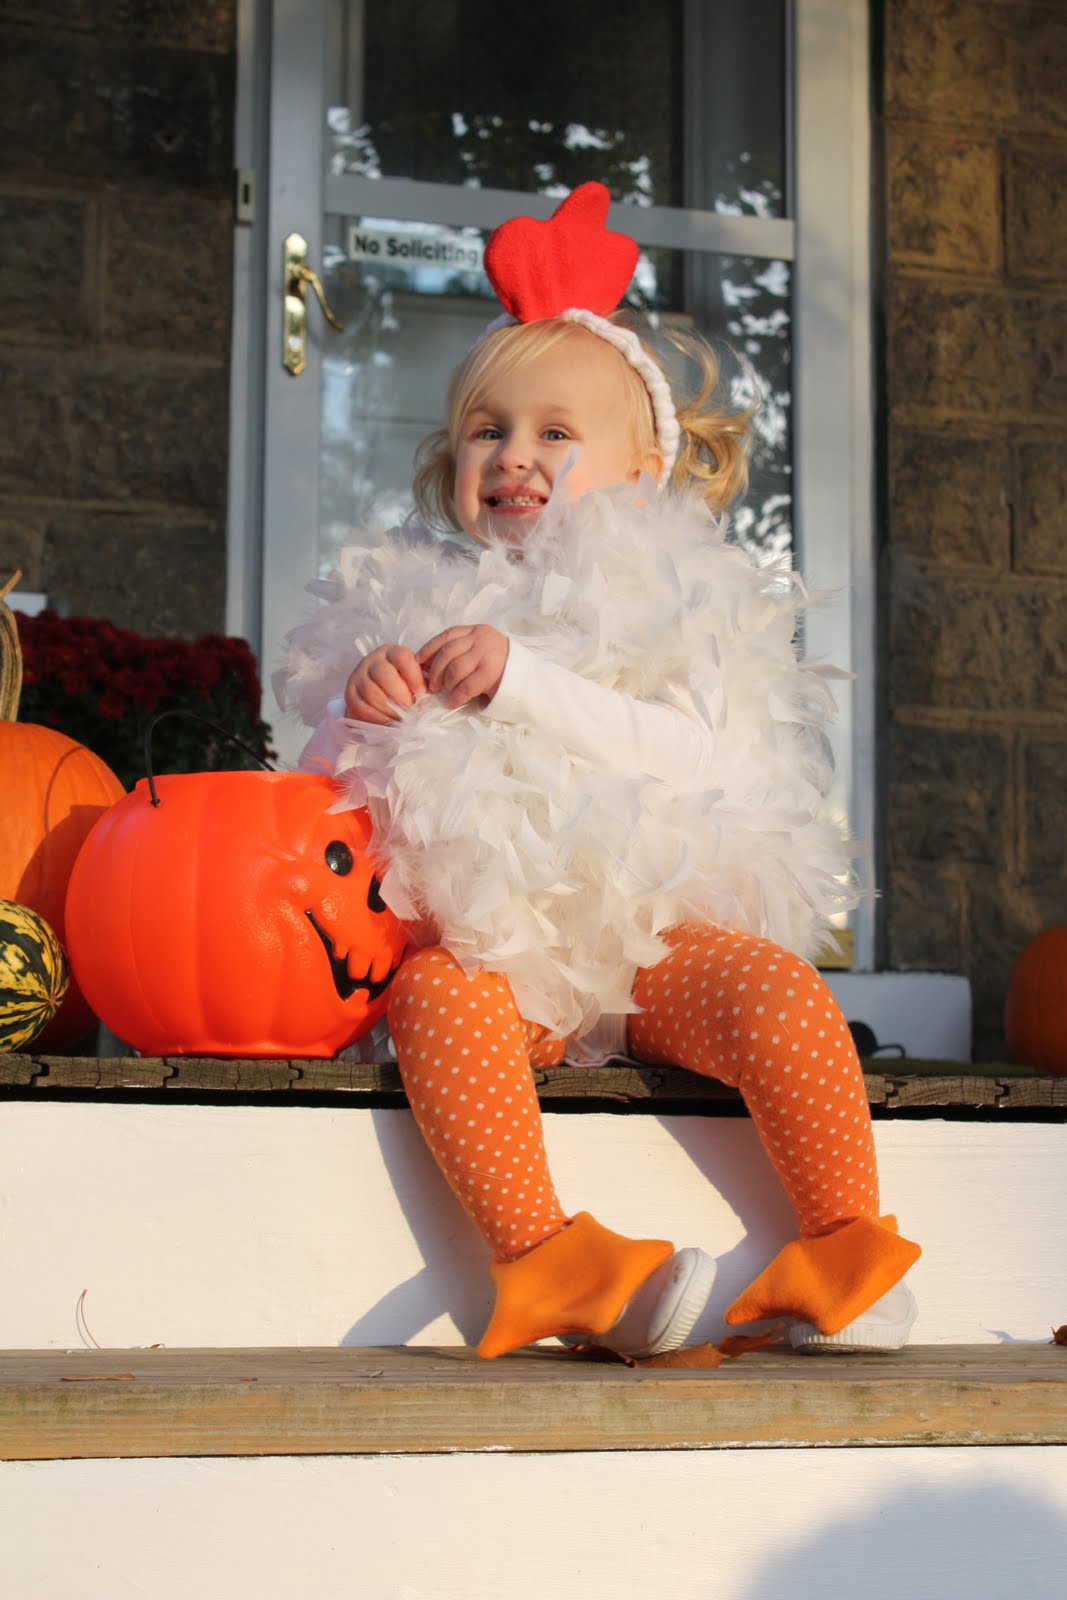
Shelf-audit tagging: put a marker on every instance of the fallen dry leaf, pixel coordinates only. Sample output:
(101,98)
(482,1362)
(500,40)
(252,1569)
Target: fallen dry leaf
(691,1355)
(740,1343)
(712,1355)
(706,1356)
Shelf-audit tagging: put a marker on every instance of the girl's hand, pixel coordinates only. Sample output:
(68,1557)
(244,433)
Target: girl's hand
(389,677)
(465,664)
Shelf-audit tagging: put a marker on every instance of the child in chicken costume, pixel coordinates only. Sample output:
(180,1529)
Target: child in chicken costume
(597,774)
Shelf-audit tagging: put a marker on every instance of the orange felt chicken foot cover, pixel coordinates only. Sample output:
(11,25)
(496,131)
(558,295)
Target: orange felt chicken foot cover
(829,1280)
(578,1281)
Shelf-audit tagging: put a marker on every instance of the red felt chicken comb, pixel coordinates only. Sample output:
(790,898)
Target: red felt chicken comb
(571,262)
(574,267)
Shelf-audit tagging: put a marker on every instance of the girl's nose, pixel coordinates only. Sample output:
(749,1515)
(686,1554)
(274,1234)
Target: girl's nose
(513,455)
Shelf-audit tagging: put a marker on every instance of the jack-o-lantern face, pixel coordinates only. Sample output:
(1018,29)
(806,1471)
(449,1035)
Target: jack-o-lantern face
(240,916)
(339,859)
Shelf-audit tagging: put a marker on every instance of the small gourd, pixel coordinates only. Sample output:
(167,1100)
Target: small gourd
(33,975)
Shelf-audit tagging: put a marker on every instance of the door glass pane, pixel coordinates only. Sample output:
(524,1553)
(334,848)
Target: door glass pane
(666,104)
(742,304)
(469,92)
(517,97)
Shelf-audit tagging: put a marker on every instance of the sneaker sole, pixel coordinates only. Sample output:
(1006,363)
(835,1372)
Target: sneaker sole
(676,1312)
(855,1339)
(683,1301)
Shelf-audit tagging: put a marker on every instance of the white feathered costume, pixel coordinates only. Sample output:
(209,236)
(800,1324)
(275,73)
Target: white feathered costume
(525,858)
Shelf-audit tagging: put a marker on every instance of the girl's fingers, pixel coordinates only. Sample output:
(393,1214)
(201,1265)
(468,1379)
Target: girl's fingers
(374,695)
(389,685)
(431,647)
(363,703)
(362,712)
(371,706)
(439,673)
(463,663)
(469,677)
(464,692)
(406,664)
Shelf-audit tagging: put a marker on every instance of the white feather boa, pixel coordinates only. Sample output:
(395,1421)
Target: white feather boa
(525,859)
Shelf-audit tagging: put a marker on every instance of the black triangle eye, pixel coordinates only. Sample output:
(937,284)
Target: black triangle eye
(374,896)
(339,857)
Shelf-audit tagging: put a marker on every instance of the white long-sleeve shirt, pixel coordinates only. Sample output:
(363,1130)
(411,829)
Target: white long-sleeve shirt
(610,729)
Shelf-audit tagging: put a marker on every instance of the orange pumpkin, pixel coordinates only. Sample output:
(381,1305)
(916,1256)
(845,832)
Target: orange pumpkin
(239,917)
(1035,1016)
(54,791)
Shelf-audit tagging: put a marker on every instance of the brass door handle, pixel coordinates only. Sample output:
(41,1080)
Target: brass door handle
(296,276)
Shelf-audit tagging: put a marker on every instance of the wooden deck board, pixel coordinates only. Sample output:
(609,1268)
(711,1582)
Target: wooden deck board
(327,1401)
(903,1086)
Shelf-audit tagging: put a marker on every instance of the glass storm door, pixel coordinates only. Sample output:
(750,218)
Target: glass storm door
(400,135)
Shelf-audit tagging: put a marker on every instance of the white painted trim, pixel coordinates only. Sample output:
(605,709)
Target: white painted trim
(245,466)
(916,1524)
(294,204)
(665,227)
(834,447)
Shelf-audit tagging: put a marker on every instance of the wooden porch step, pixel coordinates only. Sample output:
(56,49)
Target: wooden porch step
(422,1400)
(892,1086)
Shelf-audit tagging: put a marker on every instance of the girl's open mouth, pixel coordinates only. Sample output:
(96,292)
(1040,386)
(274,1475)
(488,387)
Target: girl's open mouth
(515,502)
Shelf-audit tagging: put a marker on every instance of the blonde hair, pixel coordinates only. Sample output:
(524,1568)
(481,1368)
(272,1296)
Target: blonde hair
(712,453)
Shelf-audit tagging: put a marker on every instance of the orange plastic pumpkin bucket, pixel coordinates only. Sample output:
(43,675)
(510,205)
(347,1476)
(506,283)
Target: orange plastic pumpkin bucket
(236,917)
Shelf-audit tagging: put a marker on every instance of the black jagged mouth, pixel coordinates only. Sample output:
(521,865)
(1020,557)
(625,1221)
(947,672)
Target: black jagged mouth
(343,981)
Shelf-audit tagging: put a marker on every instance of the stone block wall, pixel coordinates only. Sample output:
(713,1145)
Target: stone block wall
(974,131)
(116,133)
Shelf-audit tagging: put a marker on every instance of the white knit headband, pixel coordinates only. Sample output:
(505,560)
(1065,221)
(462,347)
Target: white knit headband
(626,342)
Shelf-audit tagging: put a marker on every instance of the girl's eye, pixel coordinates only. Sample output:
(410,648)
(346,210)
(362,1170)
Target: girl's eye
(556,435)
(487,433)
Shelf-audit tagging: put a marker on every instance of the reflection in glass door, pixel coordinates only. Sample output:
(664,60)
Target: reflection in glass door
(433,109)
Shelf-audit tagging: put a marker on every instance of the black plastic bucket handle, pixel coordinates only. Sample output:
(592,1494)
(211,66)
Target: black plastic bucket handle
(195,715)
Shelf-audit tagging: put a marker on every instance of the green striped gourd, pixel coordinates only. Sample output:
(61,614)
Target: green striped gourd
(33,975)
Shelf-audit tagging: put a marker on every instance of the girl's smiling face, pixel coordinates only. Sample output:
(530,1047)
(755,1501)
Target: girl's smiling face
(569,406)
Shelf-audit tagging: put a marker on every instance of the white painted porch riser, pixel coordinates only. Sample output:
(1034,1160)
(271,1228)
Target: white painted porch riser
(291,1225)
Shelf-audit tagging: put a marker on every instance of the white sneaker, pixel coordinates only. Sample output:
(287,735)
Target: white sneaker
(663,1312)
(883,1326)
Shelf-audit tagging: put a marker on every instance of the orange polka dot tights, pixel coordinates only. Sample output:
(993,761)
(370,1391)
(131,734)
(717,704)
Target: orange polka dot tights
(465,1056)
(740,1009)
(724,1004)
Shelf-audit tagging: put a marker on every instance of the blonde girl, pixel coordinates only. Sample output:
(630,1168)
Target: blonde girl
(596,772)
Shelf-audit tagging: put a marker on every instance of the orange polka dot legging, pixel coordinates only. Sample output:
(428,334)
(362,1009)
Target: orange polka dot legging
(727,1005)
